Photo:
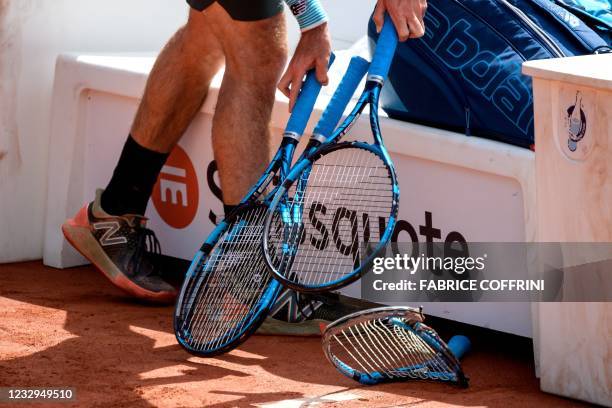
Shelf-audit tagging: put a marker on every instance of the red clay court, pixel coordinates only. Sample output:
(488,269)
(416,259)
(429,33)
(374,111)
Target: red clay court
(71,328)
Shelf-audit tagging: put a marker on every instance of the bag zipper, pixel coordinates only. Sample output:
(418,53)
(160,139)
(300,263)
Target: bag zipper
(542,35)
(492,28)
(444,71)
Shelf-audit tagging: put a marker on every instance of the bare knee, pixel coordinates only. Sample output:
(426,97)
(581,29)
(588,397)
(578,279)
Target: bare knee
(257,51)
(253,51)
(196,24)
(253,78)
(257,72)
(199,36)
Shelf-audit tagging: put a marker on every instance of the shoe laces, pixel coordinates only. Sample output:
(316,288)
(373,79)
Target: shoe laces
(147,245)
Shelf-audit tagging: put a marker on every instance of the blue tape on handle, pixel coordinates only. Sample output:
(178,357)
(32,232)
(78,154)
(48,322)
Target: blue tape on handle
(305,102)
(459,345)
(356,70)
(385,50)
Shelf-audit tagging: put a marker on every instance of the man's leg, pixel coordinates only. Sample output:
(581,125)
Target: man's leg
(255,54)
(174,93)
(110,231)
(178,85)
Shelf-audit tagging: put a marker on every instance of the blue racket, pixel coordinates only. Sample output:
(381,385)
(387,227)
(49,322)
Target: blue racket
(340,197)
(393,344)
(227,292)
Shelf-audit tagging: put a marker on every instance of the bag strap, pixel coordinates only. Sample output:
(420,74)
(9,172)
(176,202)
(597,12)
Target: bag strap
(592,41)
(587,15)
(599,25)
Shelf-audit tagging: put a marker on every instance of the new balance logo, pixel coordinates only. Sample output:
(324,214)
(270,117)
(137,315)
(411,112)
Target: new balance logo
(288,304)
(109,238)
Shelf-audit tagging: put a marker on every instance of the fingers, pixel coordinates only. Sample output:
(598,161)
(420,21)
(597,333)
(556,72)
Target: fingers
(313,51)
(284,83)
(407,17)
(416,23)
(296,85)
(290,84)
(291,81)
(321,65)
(401,25)
(399,11)
(416,27)
(379,15)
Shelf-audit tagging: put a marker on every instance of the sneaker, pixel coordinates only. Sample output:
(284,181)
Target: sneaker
(120,247)
(298,314)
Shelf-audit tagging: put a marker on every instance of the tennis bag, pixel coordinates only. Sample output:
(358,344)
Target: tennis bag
(465,73)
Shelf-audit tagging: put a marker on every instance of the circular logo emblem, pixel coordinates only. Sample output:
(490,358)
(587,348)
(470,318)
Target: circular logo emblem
(574,140)
(176,195)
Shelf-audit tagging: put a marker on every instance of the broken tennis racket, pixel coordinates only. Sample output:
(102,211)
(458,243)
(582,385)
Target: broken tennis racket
(393,344)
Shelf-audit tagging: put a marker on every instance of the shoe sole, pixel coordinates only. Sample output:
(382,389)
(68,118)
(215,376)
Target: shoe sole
(307,328)
(85,243)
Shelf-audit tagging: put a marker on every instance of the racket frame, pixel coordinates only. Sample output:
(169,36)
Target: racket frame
(279,166)
(370,97)
(412,320)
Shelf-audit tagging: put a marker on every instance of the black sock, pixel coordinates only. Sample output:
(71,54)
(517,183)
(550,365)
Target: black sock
(132,183)
(228,209)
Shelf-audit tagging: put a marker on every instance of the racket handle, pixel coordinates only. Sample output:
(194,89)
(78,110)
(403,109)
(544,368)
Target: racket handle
(331,116)
(460,346)
(305,103)
(385,50)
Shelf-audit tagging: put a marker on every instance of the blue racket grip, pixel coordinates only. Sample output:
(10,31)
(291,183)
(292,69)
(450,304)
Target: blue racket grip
(459,345)
(385,50)
(305,102)
(331,116)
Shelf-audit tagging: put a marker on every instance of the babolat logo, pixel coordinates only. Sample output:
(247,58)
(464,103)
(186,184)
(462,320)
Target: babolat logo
(564,15)
(494,73)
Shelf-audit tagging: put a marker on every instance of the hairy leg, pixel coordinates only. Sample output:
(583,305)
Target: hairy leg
(255,54)
(178,84)
(176,88)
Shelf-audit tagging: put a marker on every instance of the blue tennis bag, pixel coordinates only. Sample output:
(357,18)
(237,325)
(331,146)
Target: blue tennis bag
(465,73)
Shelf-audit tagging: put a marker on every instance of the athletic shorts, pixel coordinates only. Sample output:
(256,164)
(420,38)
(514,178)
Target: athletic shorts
(243,10)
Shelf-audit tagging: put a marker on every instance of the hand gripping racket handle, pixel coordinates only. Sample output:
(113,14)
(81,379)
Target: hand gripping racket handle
(331,116)
(305,103)
(459,345)
(385,50)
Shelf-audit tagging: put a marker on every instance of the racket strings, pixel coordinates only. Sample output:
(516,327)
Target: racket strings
(380,348)
(228,298)
(342,202)
(228,284)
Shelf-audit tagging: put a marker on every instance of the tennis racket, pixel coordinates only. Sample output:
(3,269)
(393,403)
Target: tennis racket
(227,293)
(339,198)
(393,344)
